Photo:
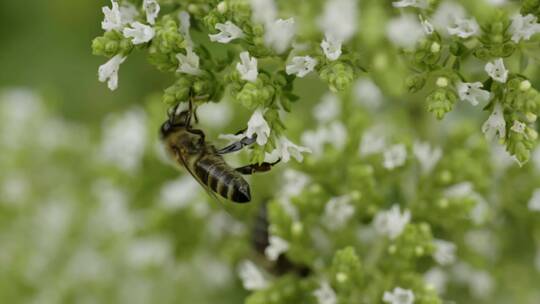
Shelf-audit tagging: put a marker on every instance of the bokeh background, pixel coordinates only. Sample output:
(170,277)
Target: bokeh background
(91,210)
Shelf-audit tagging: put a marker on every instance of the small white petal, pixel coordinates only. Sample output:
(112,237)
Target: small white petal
(495,124)
(399,296)
(534,202)
(446,15)
(141,33)
(367,93)
(428,27)
(279,34)
(426,156)
(391,223)
(263,11)
(325,294)
(523,27)
(128,13)
(497,70)
(405,31)
(328,109)
(339,19)
(112,17)
(436,278)
(373,142)
(109,71)
(151,7)
(228,31)
(247,67)
(331,48)
(276,247)
(287,149)
(464,28)
(395,156)
(518,127)
(252,278)
(189,63)
(257,125)
(185,24)
(412,3)
(472,92)
(301,66)
(337,212)
(445,252)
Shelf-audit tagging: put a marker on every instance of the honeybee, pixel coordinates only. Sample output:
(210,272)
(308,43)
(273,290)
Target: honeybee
(188,147)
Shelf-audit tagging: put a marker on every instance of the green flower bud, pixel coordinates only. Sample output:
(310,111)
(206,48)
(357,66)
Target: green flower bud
(178,92)
(110,44)
(166,43)
(338,75)
(415,82)
(441,101)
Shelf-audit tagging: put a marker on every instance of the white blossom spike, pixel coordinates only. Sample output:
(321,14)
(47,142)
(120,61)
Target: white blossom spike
(391,223)
(279,34)
(464,28)
(140,33)
(286,149)
(523,27)
(151,7)
(112,17)
(495,124)
(331,47)
(228,32)
(399,296)
(257,125)
(301,66)
(189,63)
(109,71)
(247,67)
(497,71)
(276,247)
(472,92)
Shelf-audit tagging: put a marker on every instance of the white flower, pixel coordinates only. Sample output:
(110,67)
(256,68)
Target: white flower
(337,212)
(185,24)
(413,3)
(263,11)
(286,149)
(339,19)
(426,156)
(391,223)
(472,92)
(445,252)
(109,71)
(497,70)
(189,63)
(537,260)
(141,33)
(399,296)
(177,194)
(151,7)
(325,294)
(495,124)
(252,278)
(113,17)
(534,202)
(328,109)
(228,31)
(334,134)
(436,278)
(331,47)
(247,67)
(523,27)
(446,15)
(395,156)
(128,12)
(276,247)
(404,31)
(428,27)
(464,28)
(373,142)
(279,34)
(497,2)
(518,127)
(366,92)
(258,125)
(481,284)
(301,66)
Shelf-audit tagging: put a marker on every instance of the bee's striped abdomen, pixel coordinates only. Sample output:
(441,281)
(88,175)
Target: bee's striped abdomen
(222,179)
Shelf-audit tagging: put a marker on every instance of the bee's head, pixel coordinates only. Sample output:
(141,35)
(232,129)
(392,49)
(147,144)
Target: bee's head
(175,122)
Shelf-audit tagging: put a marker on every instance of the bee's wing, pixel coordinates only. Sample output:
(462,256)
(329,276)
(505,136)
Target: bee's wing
(204,186)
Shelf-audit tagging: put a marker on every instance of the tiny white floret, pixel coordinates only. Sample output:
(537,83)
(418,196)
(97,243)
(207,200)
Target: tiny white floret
(140,33)
(518,127)
(151,7)
(189,63)
(523,27)
(279,34)
(495,124)
(472,92)
(276,247)
(325,294)
(247,67)
(252,278)
(391,223)
(426,155)
(257,125)
(464,28)
(534,202)
(228,32)
(112,17)
(445,252)
(109,71)
(395,156)
(412,3)
(331,47)
(287,149)
(301,66)
(399,296)
(497,70)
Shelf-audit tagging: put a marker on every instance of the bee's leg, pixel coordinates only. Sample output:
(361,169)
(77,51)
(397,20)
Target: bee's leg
(253,168)
(197,132)
(237,146)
